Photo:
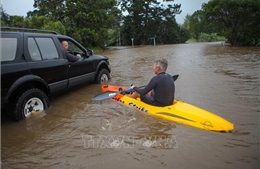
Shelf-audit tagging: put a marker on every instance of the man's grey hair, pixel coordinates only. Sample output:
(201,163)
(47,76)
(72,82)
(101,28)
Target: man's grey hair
(162,63)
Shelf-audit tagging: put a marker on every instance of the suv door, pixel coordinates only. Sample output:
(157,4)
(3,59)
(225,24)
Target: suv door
(46,61)
(13,65)
(81,71)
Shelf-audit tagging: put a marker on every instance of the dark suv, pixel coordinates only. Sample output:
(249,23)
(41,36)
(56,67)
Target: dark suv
(34,67)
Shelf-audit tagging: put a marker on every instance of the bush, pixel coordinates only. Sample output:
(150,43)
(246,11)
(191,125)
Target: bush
(55,26)
(213,37)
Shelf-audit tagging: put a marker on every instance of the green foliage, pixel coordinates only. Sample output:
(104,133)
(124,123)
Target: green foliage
(89,21)
(22,22)
(17,21)
(237,20)
(98,23)
(213,37)
(184,35)
(196,24)
(55,26)
(52,9)
(2,24)
(186,23)
(114,38)
(5,18)
(148,19)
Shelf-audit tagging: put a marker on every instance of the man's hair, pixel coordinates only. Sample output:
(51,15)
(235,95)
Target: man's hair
(63,41)
(162,63)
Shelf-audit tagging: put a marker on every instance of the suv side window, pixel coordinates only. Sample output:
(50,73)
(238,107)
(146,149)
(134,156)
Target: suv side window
(33,50)
(74,48)
(9,48)
(47,48)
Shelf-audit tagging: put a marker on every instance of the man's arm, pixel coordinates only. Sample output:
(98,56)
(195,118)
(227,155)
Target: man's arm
(151,85)
(71,58)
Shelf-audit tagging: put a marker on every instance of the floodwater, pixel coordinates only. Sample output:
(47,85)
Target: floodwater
(76,132)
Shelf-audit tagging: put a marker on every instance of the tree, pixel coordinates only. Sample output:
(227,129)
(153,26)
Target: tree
(237,20)
(55,26)
(186,23)
(37,22)
(148,19)
(88,21)
(53,9)
(17,21)
(5,18)
(196,24)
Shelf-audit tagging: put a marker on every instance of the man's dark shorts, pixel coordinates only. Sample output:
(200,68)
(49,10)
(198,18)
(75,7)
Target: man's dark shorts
(148,99)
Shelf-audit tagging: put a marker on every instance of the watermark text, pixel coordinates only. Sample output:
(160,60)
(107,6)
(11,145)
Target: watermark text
(122,141)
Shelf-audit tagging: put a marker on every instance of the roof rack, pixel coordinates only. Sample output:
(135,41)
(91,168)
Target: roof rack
(28,30)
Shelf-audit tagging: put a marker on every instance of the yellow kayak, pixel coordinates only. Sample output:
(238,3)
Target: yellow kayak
(179,111)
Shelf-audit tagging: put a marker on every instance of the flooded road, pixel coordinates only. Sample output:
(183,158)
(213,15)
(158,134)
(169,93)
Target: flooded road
(76,132)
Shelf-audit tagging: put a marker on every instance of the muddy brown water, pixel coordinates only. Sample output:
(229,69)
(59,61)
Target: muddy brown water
(76,132)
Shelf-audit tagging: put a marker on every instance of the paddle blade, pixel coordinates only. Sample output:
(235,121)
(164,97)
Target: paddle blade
(104,96)
(175,77)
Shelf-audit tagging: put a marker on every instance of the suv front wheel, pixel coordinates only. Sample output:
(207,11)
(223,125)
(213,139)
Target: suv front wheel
(102,76)
(28,102)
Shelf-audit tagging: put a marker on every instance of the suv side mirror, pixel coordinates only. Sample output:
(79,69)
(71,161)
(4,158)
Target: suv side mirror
(90,52)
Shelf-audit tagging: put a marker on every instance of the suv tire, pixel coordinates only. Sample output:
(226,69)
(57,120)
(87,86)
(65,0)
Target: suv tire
(29,101)
(103,76)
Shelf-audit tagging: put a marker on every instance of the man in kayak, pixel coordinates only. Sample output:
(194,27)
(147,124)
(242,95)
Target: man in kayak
(160,90)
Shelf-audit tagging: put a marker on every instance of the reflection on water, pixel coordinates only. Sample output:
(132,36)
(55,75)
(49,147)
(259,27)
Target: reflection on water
(224,80)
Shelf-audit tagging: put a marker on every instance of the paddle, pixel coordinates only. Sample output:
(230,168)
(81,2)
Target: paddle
(110,94)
